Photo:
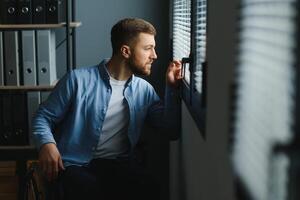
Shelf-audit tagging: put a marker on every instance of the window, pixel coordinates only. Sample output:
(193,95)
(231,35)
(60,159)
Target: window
(182,31)
(189,46)
(200,43)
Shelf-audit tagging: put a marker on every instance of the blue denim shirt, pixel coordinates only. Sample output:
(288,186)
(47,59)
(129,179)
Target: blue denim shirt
(73,115)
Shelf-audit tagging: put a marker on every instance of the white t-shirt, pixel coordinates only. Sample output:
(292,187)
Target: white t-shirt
(113,141)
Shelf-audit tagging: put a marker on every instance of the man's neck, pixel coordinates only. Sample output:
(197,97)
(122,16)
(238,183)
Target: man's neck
(118,68)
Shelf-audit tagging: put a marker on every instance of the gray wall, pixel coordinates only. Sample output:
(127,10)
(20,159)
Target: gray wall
(93,44)
(93,37)
(200,168)
(98,16)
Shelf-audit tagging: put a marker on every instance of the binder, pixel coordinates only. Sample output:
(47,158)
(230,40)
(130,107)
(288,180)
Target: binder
(28,58)
(33,101)
(30,75)
(46,57)
(7,129)
(14,126)
(24,13)
(38,11)
(1,118)
(55,11)
(20,125)
(8,12)
(1,61)
(11,58)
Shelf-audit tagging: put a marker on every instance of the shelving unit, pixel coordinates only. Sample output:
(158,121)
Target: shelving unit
(23,153)
(7,27)
(27,88)
(70,24)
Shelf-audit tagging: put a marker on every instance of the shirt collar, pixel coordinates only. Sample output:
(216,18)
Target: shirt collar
(105,74)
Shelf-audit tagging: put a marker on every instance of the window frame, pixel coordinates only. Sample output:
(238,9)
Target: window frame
(194,100)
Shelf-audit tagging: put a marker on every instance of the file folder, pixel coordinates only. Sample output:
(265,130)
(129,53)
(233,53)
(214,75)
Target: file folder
(8,11)
(38,11)
(46,59)
(55,11)
(1,61)
(24,13)
(11,58)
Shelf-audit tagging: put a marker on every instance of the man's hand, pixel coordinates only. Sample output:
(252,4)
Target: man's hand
(173,75)
(50,161)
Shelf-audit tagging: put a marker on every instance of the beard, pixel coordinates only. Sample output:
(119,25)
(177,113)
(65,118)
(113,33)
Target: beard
(137,69)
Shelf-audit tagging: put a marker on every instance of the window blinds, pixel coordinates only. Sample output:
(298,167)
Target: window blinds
(265,95)
(200,41)
(181,29)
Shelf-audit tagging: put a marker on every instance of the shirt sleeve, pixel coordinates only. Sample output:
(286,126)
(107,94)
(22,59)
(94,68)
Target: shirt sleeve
(166,114)
(52,111)
(172,112)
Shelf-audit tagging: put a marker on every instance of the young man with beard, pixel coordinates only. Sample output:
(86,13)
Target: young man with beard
(97,113)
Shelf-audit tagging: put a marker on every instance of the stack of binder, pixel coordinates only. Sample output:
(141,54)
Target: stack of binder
(26,58)
(14,129)
(32,11)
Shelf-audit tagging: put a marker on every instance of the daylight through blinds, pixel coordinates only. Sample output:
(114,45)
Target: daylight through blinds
(181,29)
(265,96)
(200,39)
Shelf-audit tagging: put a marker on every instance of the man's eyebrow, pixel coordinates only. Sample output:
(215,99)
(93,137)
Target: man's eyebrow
(150,45)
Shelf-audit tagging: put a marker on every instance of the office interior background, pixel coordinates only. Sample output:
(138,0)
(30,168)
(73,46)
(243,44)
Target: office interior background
(239,112)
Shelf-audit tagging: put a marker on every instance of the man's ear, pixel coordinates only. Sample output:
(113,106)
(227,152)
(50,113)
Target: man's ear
(125,51)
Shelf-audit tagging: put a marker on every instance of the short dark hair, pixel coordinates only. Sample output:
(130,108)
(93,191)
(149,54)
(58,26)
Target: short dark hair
(126,30)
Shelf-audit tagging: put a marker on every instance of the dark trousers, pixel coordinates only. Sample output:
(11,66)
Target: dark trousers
(105,179)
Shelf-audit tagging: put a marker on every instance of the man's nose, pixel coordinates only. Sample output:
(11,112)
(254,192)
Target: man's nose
(154,55)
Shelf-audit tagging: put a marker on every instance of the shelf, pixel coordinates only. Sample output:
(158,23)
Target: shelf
(21,147)
(37,26)
(27,88)
(25,152)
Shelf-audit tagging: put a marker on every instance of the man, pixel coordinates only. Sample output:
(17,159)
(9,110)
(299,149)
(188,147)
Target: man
(88,127)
